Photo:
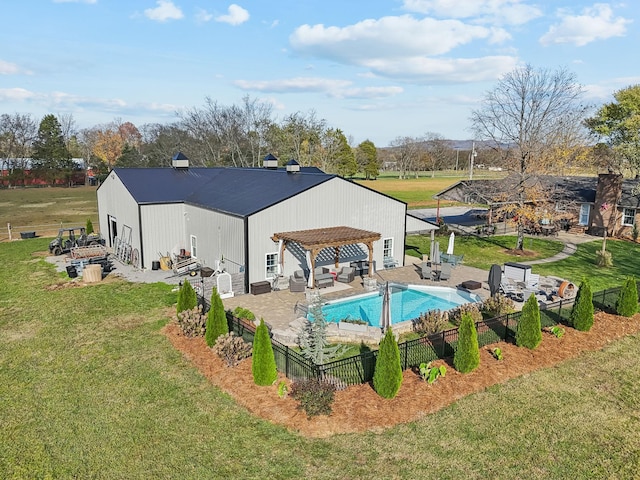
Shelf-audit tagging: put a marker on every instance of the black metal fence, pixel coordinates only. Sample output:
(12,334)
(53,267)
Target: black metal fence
(360,368)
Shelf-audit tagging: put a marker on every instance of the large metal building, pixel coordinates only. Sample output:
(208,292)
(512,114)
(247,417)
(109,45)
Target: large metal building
(232,216)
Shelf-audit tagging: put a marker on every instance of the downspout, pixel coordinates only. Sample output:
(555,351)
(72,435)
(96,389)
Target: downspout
(141,236)
(247,268)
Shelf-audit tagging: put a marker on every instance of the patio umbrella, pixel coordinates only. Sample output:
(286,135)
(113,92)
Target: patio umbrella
(385,313)
(495,276)
(436,253)
(452,239)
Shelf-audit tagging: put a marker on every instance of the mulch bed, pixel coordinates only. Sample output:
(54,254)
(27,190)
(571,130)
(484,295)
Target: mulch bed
(359,408)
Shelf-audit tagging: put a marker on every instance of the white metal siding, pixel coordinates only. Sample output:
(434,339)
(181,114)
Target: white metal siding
(334,203)
(116,201)
(162,230)
(219,235)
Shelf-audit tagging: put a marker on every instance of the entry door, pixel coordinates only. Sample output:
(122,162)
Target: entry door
(585,208)
(113,230)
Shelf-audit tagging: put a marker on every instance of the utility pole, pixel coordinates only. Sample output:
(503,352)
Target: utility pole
(457,155)
(472,156)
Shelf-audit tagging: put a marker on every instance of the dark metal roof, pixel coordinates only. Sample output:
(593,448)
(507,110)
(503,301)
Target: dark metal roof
(237,191)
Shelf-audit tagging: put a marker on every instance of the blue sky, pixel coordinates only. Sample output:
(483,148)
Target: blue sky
(377,69)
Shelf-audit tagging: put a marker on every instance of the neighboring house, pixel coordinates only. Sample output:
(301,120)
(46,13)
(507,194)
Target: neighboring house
(234,216)
(18,172)
(590,204)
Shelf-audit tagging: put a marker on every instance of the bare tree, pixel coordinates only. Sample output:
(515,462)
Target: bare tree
(438,152)
(17,133)
(68,127)
(527,116)
(406,152)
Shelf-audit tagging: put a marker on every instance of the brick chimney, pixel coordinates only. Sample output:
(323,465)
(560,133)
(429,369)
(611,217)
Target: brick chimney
(608,193)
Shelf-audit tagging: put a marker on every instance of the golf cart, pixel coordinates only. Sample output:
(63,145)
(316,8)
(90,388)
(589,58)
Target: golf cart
(73,237)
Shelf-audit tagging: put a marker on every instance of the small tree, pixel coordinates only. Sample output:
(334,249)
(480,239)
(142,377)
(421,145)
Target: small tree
(263,363)
(582,312)
(187,298)
(387,376)
(216,319)
(467,356)
(529,331)
(89,228)
(313,337)
(627,303)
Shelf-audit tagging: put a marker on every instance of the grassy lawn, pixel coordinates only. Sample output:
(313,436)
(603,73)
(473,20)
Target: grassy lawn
(89,388)
(51,206)
(482,252)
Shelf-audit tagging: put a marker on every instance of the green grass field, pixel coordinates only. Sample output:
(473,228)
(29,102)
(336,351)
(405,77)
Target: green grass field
(89,388)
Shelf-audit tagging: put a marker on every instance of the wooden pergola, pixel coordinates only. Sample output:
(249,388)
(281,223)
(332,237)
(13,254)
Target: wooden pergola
(330,237)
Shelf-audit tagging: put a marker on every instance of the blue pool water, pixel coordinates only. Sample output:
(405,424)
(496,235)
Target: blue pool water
(407,303)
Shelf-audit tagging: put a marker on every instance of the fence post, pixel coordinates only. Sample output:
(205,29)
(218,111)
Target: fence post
(9,229)
(442,352)
(286,361)
(406,355)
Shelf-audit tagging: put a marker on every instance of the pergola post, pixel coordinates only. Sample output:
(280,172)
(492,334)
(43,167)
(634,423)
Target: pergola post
(370,247)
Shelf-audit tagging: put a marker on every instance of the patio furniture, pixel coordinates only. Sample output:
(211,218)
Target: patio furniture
(297,282)
(451,258)
(390,262)
(258,288)
(445,271)
(346,275)
(324,280)
(425,271)
(471,285)
(362,267)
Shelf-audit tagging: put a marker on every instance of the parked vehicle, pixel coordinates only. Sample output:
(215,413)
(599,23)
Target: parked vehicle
(73,237)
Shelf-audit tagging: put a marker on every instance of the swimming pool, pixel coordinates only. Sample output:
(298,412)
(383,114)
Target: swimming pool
(407,303)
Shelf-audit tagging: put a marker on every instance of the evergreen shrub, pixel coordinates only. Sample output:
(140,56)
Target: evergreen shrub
(627,303)
(187,298)
(89,227)
(582,312)
(387,376)
(467,356)
(263,363)
(216,319)
(529,331)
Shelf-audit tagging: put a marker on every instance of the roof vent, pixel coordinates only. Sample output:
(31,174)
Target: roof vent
(270,161)
(180,161)
(293,166)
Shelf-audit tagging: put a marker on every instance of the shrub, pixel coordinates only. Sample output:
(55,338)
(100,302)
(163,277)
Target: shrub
(627,303)
(430,374)
(216,319)
(387,376)
(582,312)
(471,309)
(529,331)
(244,313)
(467,356)
(89,227)
(498,305)
(232,349)
(314,396)
(431,322)
(187,298)
(263,363)
(497,353)
(192,322)
(604,258)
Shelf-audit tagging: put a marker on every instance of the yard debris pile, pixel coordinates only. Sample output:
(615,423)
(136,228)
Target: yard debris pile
(359,408)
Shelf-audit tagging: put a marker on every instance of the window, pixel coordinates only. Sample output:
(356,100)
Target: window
(629,216)
(194,246)
(272,265)
(387,247)
(585,208)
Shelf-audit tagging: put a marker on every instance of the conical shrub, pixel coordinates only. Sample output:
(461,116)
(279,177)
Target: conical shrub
(216,320)
(263,363)
(187,298)
(627,303)
(529,331)
(467,356)
(387,376)
(89,227)
(582,312)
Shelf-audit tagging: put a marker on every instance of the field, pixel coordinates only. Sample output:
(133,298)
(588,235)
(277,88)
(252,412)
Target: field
(90,388)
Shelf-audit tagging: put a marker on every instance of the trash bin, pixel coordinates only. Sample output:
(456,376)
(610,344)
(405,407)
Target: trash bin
(155,265)
(71,271)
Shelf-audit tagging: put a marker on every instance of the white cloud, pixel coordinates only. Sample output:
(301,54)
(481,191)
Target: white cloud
(330,87)
(76,1)
(388,37)
(202,16)
(8,68)
(406,48)
(511,12)
(15,94)
(595,23)
(165,10)
(236,15)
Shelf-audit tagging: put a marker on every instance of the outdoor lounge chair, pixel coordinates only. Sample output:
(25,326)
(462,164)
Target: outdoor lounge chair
(297,282)
(426,273)
(346,275)
(445,271)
